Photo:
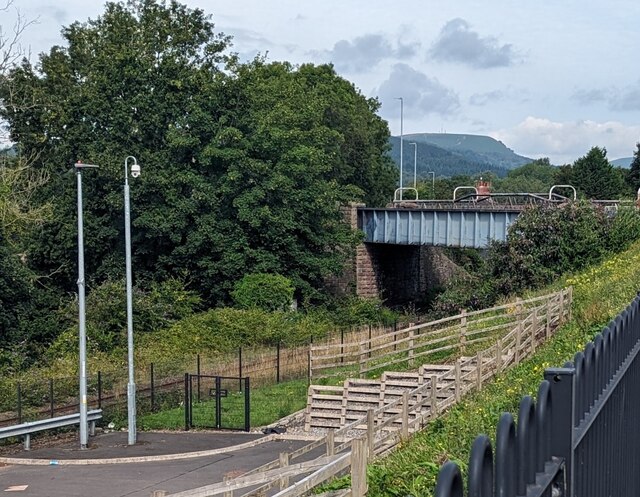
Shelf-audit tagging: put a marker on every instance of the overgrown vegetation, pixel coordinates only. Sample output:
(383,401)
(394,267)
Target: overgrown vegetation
(543,243)
(270,292)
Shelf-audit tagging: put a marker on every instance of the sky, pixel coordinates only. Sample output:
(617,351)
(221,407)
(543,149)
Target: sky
(548,78)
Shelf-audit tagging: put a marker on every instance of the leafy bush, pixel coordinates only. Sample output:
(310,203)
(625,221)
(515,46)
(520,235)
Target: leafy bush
(467,293)
(543,243)
(161,305)
(270,292)
(226,329)
(353,311)
(623,228)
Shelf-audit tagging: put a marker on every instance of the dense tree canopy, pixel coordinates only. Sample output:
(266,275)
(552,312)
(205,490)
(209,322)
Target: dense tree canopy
(243,165)
(595,177)
(633,177)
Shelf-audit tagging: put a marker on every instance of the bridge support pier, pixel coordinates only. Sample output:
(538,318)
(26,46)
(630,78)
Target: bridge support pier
(394,273)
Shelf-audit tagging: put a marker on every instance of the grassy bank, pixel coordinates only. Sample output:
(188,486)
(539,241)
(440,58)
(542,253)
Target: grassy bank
(600,293)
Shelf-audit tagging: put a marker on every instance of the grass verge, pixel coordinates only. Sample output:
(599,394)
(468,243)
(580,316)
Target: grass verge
(268,404)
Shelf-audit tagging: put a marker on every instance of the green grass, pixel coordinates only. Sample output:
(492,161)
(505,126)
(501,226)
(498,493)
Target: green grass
(268,404)
(600,293)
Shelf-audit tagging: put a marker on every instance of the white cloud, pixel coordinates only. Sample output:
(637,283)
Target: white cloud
(458,43)
(422,95)
(564,142)
(364,52)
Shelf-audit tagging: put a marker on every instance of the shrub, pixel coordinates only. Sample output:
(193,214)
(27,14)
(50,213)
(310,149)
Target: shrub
(623,228)
(155,308)
(544,242)
(226,329)
(269,292)
(353,311)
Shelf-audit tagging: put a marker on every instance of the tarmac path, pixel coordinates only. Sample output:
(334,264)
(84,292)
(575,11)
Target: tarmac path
(159,461)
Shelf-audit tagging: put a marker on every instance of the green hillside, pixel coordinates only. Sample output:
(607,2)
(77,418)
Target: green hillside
(622,162)
(451,154)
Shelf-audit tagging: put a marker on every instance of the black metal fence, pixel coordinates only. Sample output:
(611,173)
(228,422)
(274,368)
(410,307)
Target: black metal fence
(580,439)
(219,402)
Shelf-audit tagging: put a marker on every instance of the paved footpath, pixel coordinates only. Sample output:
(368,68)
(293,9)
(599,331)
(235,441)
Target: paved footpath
(159,461)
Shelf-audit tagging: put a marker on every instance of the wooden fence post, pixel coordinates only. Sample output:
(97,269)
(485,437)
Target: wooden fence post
(284,462)
(561,308)
(534,330)
(434,396)
(410,353)
(479,371)
(518,340)
(570,302)
(458,381)
(310,361)
(371,434)
(547,330)
(405,415)
(358,468)
(331,444)
(362,361)
(463,332)
(499,355)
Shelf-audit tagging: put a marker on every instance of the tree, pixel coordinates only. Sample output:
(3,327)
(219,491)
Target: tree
(243,165)
(633,176)
(595,177)
(535,177)
(11,51)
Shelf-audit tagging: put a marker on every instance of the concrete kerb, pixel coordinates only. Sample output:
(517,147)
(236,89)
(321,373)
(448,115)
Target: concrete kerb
(138,459)
(15,461)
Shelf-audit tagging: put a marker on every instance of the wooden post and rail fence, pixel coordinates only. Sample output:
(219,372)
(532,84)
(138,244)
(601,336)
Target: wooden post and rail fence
(367,418)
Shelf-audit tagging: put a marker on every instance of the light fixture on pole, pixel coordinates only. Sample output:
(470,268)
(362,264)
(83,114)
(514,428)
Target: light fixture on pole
(401,139)
(82,332)
(415,164)
(131,386)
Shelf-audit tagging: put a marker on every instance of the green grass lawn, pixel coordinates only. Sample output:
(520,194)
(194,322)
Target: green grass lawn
(268,404)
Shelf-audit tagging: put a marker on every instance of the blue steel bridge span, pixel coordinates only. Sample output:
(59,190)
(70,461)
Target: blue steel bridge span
(440,224)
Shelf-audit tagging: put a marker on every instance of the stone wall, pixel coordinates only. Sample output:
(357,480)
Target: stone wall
(395,273)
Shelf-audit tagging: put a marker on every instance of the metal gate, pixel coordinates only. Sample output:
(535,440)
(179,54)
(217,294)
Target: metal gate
(217,402)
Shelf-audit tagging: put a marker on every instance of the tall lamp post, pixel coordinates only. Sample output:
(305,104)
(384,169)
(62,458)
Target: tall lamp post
(401,139)
(433,183)
(82,332)
(415,164)
(131,386)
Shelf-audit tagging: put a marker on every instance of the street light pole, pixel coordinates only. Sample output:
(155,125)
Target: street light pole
(415,164)
(82,333)
(401,139)
(131,386)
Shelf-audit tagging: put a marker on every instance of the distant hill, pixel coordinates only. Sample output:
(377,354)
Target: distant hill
(8,151)
(623,162)
(451,154)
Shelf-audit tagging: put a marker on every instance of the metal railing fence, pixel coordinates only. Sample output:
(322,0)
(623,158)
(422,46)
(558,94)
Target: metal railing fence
(581,438)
